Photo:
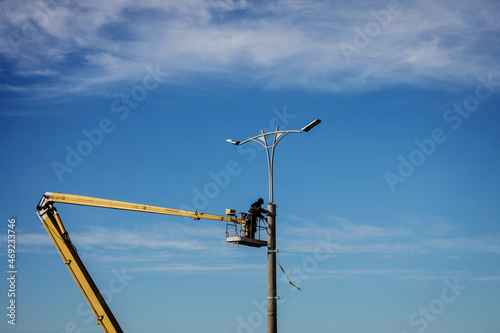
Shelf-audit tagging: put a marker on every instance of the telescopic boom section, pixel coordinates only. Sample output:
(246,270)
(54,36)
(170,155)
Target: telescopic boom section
(105,203)
(55,228)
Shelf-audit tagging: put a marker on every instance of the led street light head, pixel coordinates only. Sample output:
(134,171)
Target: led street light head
(310,125)
(233,142)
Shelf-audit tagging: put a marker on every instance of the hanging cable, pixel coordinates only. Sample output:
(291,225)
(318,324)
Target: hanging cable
(286,275)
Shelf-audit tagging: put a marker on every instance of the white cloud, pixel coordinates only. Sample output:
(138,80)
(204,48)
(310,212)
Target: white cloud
(349,273)
(425,235)
(273,44)
(489,278)
(43,72)
(30,239)
(192,268)
(337,236)
(159,240)
(415,274)
(148,237)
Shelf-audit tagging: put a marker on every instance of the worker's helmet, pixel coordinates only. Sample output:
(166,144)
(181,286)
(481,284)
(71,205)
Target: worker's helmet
(261,201)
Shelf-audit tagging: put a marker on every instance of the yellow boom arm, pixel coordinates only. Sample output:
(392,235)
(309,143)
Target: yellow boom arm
(55,228)
(105,203)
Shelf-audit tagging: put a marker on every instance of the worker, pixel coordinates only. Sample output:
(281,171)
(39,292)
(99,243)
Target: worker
(255,212)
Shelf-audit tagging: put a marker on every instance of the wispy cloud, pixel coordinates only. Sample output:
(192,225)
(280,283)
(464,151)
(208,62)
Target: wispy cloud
(43,72)
(160,247)
(386,274)
(173,237)
(337,236)
(272,44)
(489,278)
(166,246)
(192,268)
(156,236)
(341,236)
(35,238)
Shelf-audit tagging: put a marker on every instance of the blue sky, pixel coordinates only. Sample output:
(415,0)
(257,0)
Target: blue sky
(386,210)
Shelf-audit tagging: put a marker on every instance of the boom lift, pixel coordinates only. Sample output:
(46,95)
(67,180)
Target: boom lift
(238,231)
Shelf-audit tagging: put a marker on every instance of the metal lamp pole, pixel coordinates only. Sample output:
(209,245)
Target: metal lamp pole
(277,135)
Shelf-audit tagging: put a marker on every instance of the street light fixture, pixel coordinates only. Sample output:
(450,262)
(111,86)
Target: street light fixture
(309,126)
(271,218)
(233,142)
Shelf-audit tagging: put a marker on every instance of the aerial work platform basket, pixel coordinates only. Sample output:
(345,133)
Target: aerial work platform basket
(249,234)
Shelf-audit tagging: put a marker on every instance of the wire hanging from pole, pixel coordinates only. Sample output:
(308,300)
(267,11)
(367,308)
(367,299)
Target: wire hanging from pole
(286,275)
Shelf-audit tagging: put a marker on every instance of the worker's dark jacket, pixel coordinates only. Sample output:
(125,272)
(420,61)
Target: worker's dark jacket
(256,210)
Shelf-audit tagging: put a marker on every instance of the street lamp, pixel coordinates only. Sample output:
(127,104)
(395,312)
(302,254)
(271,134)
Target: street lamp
(309,126)
(271,218)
